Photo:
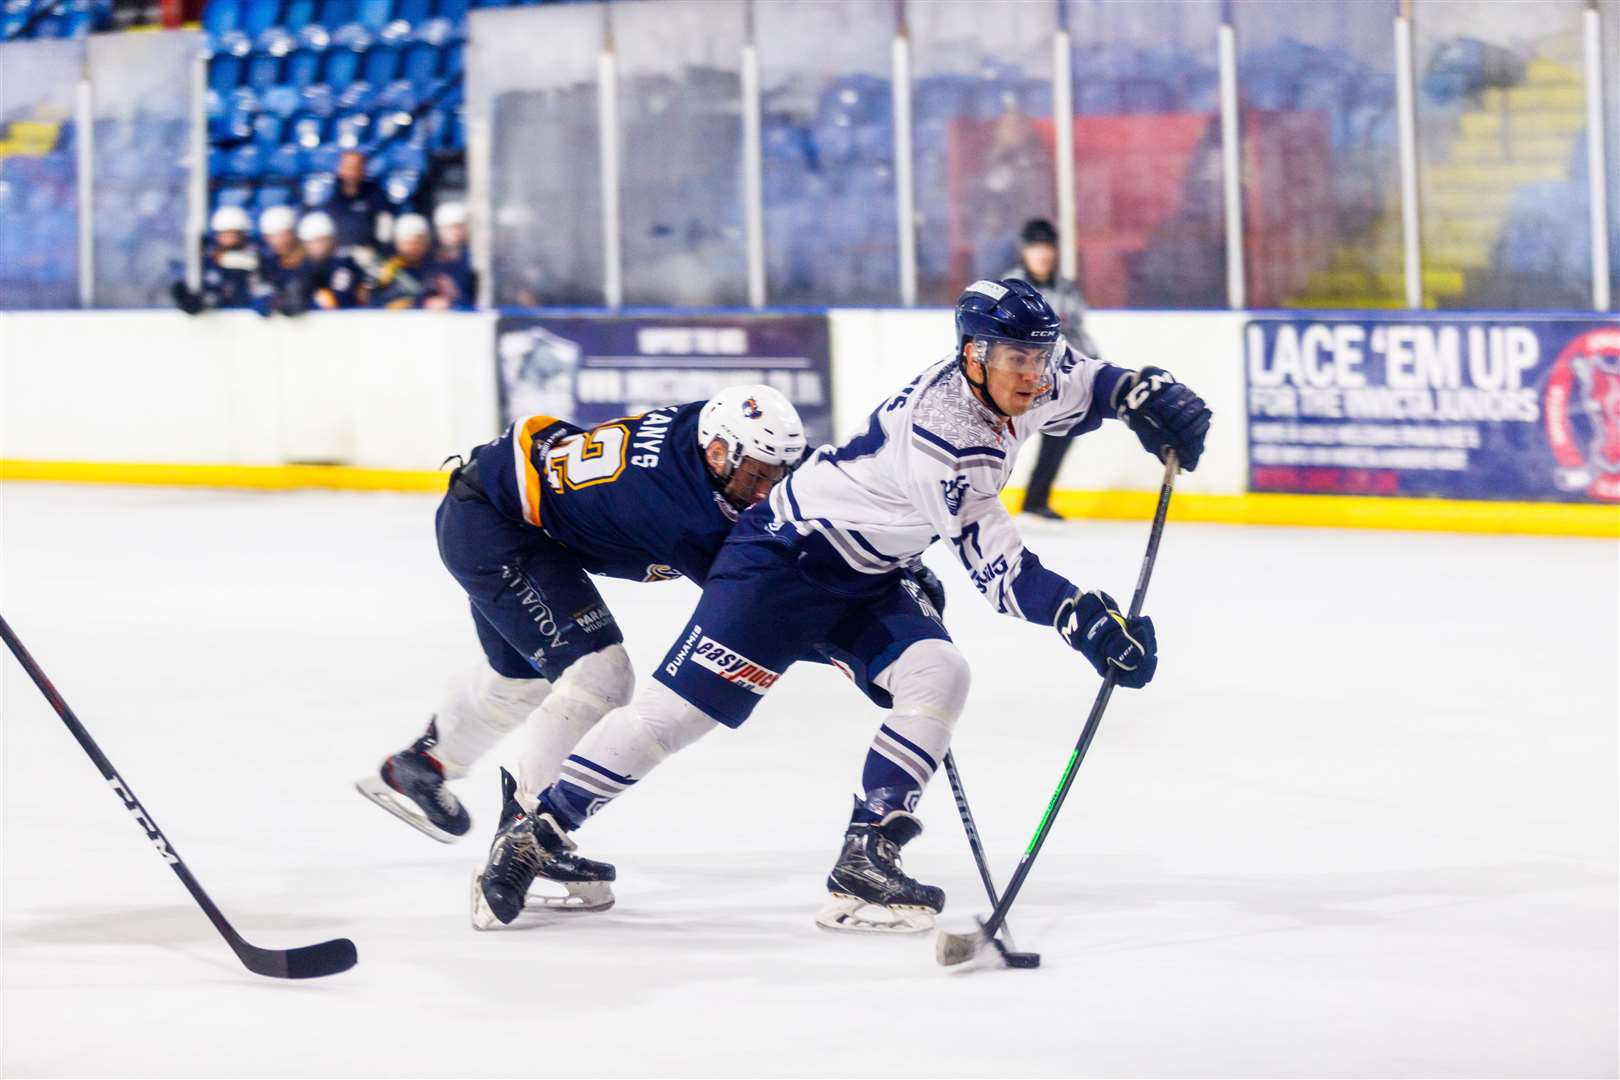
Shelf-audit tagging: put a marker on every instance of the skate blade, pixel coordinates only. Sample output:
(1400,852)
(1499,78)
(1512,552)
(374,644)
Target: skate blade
(392,801)
(581,896)
(844,913)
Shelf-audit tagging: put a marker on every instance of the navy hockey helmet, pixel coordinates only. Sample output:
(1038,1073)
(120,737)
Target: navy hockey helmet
(1006,324)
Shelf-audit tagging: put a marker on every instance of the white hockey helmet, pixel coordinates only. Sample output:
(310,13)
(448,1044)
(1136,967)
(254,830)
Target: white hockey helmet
(316,225)
(449,214)
(230,219)
(277,219)
(409,226)
(755,421)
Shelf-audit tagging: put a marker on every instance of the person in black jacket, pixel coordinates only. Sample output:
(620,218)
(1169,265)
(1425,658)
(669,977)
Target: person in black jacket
(1038,265)
(356,205)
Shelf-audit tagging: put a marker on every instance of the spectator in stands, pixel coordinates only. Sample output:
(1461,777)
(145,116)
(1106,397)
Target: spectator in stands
(404,280)
(327,280)
(357,206)
(1038,265)
(230,270)
(280,265)
(452,275)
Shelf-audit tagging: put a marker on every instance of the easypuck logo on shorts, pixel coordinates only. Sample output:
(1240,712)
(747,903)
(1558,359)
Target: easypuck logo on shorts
(733,666)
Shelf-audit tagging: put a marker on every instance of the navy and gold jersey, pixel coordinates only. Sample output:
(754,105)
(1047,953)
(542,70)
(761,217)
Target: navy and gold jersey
(631,498)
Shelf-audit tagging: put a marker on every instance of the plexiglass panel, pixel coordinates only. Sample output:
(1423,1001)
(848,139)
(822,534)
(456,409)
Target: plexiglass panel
(828,151)
(142,142)
(1501,124)
(1147,148)
(39,192)
(544,154)
(982,136)
(680,115)
(1321,182)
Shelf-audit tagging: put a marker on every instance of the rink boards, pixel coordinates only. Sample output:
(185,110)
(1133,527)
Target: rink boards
(1416,421)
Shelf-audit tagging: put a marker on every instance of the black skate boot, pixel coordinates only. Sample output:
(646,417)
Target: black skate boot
(526,848)
(411,786)
(867,889)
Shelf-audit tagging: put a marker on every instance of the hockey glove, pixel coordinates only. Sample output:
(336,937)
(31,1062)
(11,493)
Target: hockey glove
(929,583)
(1092,623)
(1164,414)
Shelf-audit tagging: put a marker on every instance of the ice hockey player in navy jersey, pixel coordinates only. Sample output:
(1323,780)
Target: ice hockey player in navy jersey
(525,521)
(832,545)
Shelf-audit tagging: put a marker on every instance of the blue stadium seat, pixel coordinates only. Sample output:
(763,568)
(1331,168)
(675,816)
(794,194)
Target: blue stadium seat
(341,68)
(454,10)
(381,64)
(268,129)
(274,41)
(220,16)
(375,14)
(398,96)
(302,69)
(299,14)
(357,97)
(235,195)
(263,71)
(224,72)
(244,163)
(309,132)
(272,195)
(323,159)
(336,13)
(412,11)
(451,67)
(422,63)
(260,16)
(318,100)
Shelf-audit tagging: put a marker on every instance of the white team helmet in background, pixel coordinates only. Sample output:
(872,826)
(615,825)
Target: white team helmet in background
(408,226)
(277,219)
(230,219)
(755,421)
(317,225)
(449,214)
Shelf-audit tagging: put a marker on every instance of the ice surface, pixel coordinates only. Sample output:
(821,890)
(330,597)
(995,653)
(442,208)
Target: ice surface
(1364,822)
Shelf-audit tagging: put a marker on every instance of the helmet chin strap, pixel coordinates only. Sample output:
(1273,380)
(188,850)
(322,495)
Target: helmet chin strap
(981,389)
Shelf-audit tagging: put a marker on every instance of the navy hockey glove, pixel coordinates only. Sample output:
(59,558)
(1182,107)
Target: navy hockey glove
(1163,413)
(931,586)
(1092,623)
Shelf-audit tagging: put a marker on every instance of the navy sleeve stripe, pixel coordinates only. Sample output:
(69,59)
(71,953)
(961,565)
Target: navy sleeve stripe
(953,450)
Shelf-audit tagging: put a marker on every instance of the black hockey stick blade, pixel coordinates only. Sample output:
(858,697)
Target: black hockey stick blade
(305,962)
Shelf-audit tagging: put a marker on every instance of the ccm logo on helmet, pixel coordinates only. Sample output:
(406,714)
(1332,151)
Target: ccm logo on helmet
(733,666)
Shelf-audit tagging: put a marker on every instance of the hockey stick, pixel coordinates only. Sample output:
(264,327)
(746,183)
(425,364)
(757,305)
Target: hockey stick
(959,948)
(308,962)
(1007,950)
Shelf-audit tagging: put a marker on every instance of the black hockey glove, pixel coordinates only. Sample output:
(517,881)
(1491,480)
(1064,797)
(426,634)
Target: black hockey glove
(1163,413)
(1092,623)
(929,583)
(186,300)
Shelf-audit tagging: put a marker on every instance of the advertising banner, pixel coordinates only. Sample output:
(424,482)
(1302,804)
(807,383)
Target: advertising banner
(590,369)
(1507,407)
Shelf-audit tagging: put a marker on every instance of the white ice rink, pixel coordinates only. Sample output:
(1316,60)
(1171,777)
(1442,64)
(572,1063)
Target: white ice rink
(1363,824)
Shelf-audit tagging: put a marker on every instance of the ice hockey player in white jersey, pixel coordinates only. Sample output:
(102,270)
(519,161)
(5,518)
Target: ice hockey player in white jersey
(832,544)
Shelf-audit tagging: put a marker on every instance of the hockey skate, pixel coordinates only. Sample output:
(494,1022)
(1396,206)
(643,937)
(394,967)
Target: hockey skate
(411,786)
(868,892)
(528,848)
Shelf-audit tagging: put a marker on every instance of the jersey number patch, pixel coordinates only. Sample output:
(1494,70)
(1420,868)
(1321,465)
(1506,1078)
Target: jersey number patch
(592,457)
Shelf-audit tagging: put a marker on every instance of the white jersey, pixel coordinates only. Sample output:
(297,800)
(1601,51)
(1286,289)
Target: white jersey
(931,465)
